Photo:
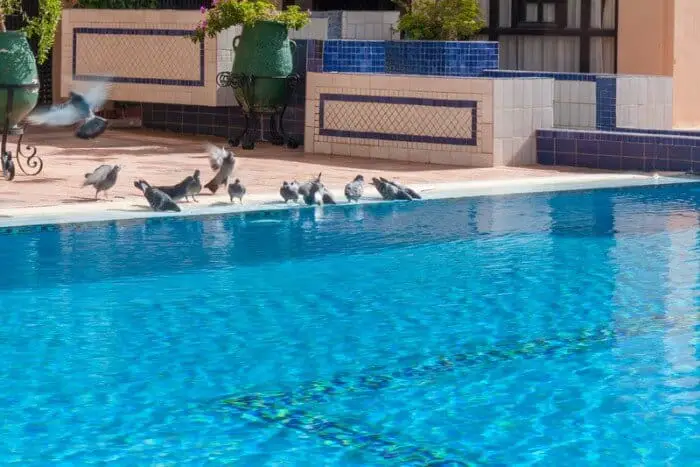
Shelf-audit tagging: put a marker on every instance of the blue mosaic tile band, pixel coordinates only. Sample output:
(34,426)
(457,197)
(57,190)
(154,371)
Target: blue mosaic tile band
(606,103)
(619,150)
(471,141)
(138,32)
(440,58)
(354,56)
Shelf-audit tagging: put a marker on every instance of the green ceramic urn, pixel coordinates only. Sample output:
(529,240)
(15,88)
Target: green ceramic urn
(265,52)
(18,71)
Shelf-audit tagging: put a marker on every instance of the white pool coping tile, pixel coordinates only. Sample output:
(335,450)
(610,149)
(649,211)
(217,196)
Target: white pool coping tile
(125,210)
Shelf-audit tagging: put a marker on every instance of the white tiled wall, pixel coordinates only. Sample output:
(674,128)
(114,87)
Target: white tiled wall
(574,104)
(520,107)
(645,102)
(370,25)
(316,29)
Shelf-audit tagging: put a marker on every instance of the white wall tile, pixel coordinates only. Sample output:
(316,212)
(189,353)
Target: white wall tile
(572,100)
(642,102)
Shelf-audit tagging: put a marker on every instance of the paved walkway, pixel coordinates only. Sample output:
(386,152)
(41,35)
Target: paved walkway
(165,158)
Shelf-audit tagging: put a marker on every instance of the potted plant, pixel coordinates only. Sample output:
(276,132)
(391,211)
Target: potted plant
(263,50)
(18,69)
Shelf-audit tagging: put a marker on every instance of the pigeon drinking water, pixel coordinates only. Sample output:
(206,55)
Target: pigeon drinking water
(290,191)
(222,160)
(236,190)
(412,193)
(103,178)
(354,189)
(189,186)
(390,192)
(319,194)
(79,108)
(159,201)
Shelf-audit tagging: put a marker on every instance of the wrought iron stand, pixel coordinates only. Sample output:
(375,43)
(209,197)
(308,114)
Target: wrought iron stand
(33,162)
(244,89)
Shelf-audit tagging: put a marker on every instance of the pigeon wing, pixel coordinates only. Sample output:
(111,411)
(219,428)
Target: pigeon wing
(62,115)
(92,128)
(99,174)
(97,95)
(216,156)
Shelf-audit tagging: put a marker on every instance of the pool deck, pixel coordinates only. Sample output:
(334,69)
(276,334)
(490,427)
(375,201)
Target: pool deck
(56,195)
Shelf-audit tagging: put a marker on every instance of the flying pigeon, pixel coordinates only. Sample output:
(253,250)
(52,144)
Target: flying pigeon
(354,189)
(290,191)
(413,193)
(222,160)
(103,178)
(79,108)
(189,186)
(390,192)
(159,201)
(236,190)
(305,188)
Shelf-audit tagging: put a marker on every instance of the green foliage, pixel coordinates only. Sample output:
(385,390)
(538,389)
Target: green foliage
(440,20)
(43,26)
(224,14)
(118,4)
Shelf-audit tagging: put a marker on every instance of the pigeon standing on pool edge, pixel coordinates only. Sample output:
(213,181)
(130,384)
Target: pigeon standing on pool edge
(236,190)
(79,108)
(355,189)
(290,191)
(190,186)
(159,201)
(103,178)
(222,160)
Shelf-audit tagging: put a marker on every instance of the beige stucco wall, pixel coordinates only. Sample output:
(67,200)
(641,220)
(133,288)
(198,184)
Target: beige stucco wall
(645,37)
(686,69)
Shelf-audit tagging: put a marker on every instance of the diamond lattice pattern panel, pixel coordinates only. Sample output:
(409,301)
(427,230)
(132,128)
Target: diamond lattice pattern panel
(137,56)
(414,120)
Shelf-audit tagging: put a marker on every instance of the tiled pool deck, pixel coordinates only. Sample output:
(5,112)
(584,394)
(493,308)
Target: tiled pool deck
(56,195)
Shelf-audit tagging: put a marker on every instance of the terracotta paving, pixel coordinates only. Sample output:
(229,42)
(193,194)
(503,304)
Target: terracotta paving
(166,158)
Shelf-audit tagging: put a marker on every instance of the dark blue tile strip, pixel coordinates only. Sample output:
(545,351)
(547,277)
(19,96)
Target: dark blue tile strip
(471,141)
(606,103)
(619,150)
(586,77)
(138,32)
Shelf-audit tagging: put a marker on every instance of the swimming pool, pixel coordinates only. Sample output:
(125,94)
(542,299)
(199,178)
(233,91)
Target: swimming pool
(520,329)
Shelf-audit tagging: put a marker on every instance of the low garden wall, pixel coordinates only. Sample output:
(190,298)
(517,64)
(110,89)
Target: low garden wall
(443,120)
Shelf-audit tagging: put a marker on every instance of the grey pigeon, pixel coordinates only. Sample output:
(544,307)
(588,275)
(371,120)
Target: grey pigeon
(103,178)
(222,160)
(189,186)
(236,190)
(305,188)
(390,192)
(79,108)
(354,189)
(159,201)
(413,193)
(319,194)
(290,191)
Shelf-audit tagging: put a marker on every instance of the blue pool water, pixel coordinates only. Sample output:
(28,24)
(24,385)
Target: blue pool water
(533,329)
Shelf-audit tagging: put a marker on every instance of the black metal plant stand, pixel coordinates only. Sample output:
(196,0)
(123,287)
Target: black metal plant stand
(244,89)
(33,162)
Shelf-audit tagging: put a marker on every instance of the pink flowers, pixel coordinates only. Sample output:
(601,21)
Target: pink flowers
(202,9)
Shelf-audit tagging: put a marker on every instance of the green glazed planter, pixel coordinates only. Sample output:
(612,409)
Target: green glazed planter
(17,68)
(265,52)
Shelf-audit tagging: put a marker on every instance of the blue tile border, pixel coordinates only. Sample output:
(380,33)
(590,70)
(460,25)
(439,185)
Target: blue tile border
(619,150)
(471,141)
(559,76)
(138,32)
(606,103)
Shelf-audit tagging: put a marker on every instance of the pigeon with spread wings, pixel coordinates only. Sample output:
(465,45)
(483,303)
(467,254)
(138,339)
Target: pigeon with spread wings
(223,161)
(80,109)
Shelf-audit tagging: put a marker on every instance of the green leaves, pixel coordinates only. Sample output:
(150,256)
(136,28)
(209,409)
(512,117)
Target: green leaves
(441,20)
(43,26)
(227,13)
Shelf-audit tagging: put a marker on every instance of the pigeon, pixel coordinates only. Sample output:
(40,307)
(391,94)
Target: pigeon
(290,191)
(236,190)
(103,178)
(159,201)
(189,186)
(305,188)
(390,192)
(319,194)
(354,189)
(79,108)
(222,160)
(413,193)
